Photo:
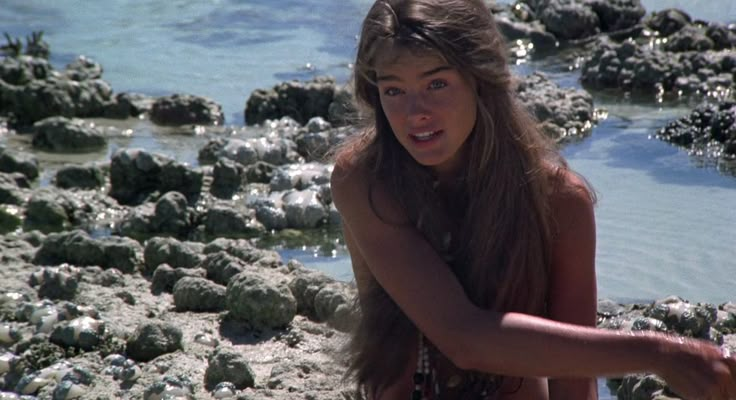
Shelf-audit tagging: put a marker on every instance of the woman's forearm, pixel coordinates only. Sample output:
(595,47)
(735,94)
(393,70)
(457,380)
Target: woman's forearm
(522,345)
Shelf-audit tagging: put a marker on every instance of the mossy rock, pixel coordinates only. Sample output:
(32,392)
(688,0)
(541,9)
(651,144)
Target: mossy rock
(9,221)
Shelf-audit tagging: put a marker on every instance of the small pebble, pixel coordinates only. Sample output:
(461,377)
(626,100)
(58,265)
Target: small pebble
(56,372)
(68,390)
(84,324)
(7,362)
(224,390)
(169,388)
(206,339)
(126,297)
(31,383)
(8,334)
(115,360)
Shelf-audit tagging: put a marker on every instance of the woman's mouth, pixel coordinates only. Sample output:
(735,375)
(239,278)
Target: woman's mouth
(425,136)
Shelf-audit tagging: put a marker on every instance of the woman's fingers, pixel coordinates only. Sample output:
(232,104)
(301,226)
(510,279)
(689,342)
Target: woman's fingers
(704,371)
(730,361)
(726,372)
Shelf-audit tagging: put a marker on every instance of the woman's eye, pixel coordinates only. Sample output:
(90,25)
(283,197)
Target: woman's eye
(392,91)
(437,84)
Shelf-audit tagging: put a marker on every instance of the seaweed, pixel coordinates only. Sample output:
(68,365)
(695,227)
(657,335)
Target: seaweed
(35,46)
(13,48)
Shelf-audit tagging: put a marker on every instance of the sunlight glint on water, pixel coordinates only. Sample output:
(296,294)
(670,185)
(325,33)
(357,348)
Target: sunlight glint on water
(665,226)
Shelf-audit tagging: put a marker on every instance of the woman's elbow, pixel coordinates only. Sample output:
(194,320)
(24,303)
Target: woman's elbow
(462,357)
(462,345)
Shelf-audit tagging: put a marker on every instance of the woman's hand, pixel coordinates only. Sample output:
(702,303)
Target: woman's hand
(697,369)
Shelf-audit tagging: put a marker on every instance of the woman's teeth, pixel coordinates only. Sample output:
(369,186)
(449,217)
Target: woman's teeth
(424,135)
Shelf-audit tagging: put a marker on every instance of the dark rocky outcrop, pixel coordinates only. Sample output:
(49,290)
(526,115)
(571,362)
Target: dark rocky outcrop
(56,283)
(244,250)
(221,266)
(617,15)
(710,129)
(298,100)
(136,174)
(226,365)
(261,299)
(13,161)
(165,277)
(166,250)
(546,23)
(78,248)
(169,216)
(563,113)
(181,109)
(322,298)
(48,211)
(568,19)
(221,220)
(80,176)
(63,135)
(153,339)
(629,66)
(198,294)
(668,21)
(126,105)
(228,178)
(30,90)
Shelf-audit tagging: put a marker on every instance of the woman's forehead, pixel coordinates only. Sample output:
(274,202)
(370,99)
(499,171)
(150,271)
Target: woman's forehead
(402,58)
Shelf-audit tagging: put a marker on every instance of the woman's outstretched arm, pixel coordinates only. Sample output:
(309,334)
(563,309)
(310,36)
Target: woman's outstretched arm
(513,344)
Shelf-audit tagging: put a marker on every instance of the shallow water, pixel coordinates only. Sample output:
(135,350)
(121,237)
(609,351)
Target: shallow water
(218,48)
(665,222)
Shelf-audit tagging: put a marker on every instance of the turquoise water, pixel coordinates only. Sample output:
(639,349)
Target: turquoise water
(220,49)
(665,224)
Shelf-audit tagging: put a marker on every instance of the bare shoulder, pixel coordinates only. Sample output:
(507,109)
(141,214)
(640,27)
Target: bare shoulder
(373,217)
(355,187)
(347,173)
(572,280)
(349,182)
(571,201)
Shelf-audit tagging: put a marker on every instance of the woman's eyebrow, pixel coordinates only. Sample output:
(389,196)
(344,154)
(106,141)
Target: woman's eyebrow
(435,70)
(424,74)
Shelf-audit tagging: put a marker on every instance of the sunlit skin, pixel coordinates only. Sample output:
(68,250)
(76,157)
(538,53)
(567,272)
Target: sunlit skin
(422,94)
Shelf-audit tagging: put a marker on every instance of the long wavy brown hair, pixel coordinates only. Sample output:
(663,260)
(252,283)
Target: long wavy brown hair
(492,225)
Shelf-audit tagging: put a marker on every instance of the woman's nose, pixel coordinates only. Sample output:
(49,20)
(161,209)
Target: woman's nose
(417,109)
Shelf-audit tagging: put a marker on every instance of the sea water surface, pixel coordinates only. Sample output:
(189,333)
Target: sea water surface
(666,222)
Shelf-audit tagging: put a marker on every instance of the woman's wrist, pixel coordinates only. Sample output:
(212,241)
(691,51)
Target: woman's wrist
(660,350)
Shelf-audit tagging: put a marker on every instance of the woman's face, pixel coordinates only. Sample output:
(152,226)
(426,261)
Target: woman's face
(431,108)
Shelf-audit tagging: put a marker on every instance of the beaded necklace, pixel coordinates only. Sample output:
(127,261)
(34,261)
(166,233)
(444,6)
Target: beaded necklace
(468,386)
(424,376)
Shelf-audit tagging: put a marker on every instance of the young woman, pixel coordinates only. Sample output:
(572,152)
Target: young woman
(472,242)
